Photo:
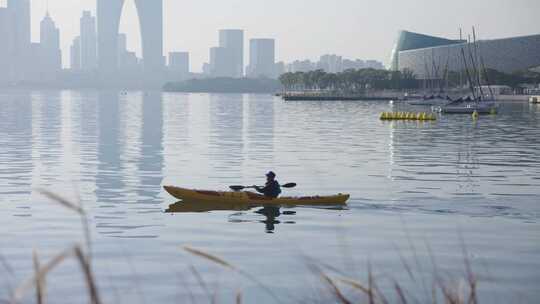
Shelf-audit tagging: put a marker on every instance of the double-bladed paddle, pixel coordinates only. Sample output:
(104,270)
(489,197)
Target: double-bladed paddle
(238,188)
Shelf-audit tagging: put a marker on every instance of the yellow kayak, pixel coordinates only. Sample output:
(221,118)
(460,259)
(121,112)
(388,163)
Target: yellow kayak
(246,197)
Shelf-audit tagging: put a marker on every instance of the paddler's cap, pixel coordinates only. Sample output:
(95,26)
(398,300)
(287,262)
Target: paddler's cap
(271,174)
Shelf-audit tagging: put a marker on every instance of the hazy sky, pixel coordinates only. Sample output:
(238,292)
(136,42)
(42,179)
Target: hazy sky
(307,28)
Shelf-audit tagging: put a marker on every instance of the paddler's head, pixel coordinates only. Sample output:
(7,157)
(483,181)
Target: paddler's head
(270,176)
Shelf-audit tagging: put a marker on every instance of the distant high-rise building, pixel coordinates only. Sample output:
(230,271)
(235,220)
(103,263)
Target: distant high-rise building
(88,42)
(219,62)
(179,63)
(6,41)
(331,63)
(206,69)
(75,54)
(301,66)
(150,14)
(49,35)
(374,64)
(261,58)
(353,64)
(126,59)
(279,68)
(51,60)
(19,11)
(233,42)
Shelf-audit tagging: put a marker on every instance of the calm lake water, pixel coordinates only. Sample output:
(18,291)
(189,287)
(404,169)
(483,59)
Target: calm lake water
(420,192)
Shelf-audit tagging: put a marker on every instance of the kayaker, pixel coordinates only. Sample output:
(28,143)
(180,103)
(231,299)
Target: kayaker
(271,188)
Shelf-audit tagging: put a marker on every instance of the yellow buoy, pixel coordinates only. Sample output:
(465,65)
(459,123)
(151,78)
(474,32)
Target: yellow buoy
(407,116)
(475,115)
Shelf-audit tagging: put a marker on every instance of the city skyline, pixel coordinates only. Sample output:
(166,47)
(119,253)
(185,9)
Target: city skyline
(344,30)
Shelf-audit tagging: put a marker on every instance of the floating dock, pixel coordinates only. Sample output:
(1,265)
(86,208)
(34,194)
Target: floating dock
(333,98)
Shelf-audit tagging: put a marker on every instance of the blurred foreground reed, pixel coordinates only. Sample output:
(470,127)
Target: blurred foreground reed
(337,287)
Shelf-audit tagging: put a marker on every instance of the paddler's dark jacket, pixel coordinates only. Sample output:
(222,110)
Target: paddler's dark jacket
(271,189)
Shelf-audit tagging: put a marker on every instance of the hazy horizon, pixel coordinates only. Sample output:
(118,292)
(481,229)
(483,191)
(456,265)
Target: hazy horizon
(353,29)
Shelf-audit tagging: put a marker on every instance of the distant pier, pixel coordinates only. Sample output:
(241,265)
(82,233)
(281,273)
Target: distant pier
(315,97)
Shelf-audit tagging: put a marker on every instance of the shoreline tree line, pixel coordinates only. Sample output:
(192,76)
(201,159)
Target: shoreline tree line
(359,81)
(350,81)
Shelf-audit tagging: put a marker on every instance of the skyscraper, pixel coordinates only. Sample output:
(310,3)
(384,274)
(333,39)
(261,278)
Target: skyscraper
(88,41)
(6,42)
(331,63)
(19,11)
(150,14)
(51,56)
(75,54)
(126,59)
(49,35)
(261,58)
(233,43)
(179,63)
(219,62)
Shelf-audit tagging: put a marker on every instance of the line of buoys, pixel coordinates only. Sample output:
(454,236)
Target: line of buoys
(407,116)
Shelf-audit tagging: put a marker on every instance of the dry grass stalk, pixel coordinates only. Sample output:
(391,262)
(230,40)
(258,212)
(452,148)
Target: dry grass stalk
(472,281)
(355,285)
(64,202)
(89,277)
(40,275)
(215,294)
(400,293)
(405,265)
(201,282)
(225,264)
(451,296)
(6,266)
(9,277)
(370,285)
(335,290)
(239,297)
(379,295)
(471,278)
(210,257)
(40,284)
(78,209)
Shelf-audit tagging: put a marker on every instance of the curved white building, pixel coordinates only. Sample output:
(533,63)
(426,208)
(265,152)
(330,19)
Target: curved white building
(505,55)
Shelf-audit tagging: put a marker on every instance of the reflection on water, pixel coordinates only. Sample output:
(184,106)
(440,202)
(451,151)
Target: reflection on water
(271,213)
(226,143)
(109,165)
(260,134)
(130,158)
(118,150)
(17,148)
(150,164)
